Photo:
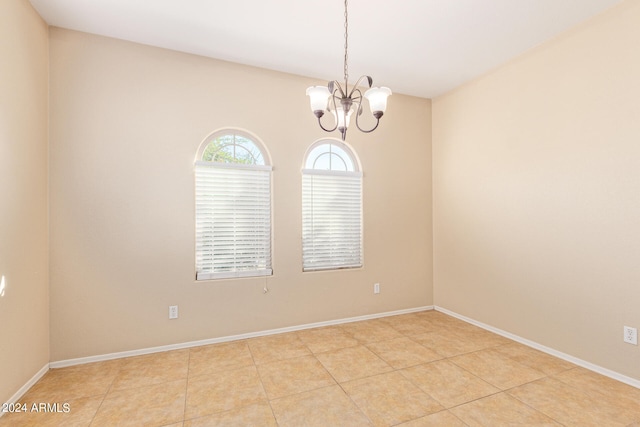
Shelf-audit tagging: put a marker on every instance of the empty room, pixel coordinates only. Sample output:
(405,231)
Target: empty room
(305,213)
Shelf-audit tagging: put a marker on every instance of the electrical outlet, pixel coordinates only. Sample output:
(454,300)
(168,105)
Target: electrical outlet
(630,335)
(376,288)
(173,312)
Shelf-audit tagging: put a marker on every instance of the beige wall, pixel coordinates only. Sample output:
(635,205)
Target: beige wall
(126,121)
(537,193)
(24,311)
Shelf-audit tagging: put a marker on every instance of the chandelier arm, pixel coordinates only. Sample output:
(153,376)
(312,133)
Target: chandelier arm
(337,87)
(324,128)
(359,112)
(333,98)
(355,86)
(367,131)
(357,99)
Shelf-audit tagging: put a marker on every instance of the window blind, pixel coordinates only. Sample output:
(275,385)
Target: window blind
(233,220)
(331,220)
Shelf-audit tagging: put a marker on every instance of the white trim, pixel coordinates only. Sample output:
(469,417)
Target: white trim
(233,166)
(110,356)
(18,394)
(330,173)
(233,274)
(330,267)
(583,363)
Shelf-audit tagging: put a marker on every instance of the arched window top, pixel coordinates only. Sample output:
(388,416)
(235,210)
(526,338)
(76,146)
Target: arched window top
(331,155)
(233,146)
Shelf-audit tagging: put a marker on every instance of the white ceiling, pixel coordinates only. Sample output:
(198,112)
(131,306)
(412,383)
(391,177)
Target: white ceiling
(417,47)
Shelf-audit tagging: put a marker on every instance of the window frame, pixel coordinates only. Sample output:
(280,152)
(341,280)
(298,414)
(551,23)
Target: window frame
(241,168)
(339,175)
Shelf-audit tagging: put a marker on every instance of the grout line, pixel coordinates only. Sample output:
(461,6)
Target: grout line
(264,390)
(532,407)
(104,397)
(186,391)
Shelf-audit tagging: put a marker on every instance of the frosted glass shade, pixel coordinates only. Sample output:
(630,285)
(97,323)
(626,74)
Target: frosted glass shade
(318,97)
(377,97)
(341,117)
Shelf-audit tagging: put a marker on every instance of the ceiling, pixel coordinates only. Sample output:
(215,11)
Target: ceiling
(417,47)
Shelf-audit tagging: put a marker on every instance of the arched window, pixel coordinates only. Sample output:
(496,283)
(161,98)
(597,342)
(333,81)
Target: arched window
(330,155)
(331,207)
(233,206)
(233,147)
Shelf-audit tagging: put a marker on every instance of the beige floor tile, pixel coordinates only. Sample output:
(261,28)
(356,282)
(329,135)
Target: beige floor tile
(78,413)
(259,415)
(471,336)
(64,384)
(319,340)
(403,352)
(351,363)
(290,376)
(569,405)
(500,410)
(152,369)
(497,369)
(614,393)
(328,406)
(440,419)
(535,359)
(156,405)
(478,336)
(408,324)
(277,347)
(390,398)
(447,383)
(219,357)
(449,342)
(370,331)
(223,391)
(461,325)
(438,320)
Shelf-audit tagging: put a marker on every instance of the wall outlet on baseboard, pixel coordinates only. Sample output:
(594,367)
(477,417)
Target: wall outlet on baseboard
(630,335)
(376,288)
(173,312)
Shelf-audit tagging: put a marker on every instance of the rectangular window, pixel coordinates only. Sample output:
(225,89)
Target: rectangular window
(233,220)
(331,219)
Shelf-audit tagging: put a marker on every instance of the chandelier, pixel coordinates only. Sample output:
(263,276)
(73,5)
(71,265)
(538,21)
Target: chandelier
(341,102)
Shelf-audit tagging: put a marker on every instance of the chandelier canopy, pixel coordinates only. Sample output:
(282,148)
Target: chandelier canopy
(343,102)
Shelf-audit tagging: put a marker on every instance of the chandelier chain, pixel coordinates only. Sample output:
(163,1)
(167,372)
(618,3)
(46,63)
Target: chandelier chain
(346,44)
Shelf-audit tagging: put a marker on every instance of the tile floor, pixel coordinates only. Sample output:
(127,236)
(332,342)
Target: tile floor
(420,369)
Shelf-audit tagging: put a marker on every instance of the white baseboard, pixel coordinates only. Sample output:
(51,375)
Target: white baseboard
(110,356)
(583,363)
(18,394)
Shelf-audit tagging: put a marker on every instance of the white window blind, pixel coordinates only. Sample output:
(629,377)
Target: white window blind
(331,219)
(233,220)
